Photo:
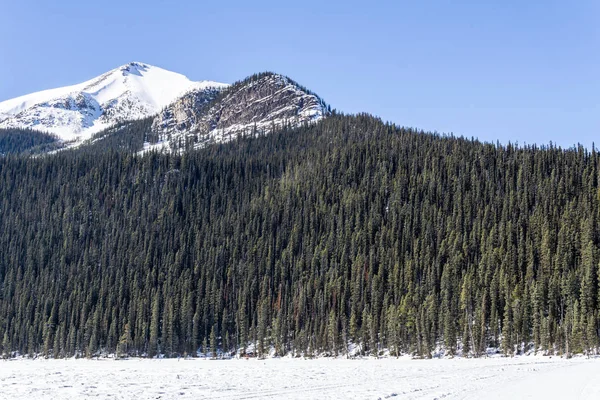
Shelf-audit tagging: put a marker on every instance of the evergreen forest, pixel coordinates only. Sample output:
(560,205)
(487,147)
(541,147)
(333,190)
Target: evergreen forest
(348,236)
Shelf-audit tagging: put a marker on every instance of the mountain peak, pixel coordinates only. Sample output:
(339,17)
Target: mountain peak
(137,64)
(74,113)
(134,67)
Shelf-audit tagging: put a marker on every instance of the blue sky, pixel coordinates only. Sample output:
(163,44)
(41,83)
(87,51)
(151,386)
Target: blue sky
(519,71)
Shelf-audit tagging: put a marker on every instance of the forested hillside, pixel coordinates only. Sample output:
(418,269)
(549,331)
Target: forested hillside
(307,240)
(15,141)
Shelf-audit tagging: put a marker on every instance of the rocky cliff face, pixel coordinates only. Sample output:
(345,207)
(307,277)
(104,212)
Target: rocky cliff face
(261,103)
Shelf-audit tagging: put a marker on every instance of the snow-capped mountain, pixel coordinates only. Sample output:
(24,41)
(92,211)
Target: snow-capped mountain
(260,103)
(132,91)
(142,107)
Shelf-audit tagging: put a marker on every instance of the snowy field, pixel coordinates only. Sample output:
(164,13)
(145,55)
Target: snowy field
(492,378)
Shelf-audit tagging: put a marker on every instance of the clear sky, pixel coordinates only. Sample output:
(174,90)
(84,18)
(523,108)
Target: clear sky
(511,70)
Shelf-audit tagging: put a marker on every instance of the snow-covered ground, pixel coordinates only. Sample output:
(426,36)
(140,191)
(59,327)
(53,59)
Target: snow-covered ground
(492,378)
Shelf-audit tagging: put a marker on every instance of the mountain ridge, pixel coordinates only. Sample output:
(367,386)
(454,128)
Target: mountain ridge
(260,103)
(185,116)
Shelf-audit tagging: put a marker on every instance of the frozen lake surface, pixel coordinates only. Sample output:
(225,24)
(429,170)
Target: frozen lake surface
(493,378)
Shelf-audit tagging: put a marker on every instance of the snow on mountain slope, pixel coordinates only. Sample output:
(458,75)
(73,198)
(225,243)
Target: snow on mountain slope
(74,113)
(261,103)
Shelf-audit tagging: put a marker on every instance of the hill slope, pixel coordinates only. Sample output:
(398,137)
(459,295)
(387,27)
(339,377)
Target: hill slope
(344,236)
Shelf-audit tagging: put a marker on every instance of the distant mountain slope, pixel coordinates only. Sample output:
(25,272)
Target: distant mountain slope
(74,113)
